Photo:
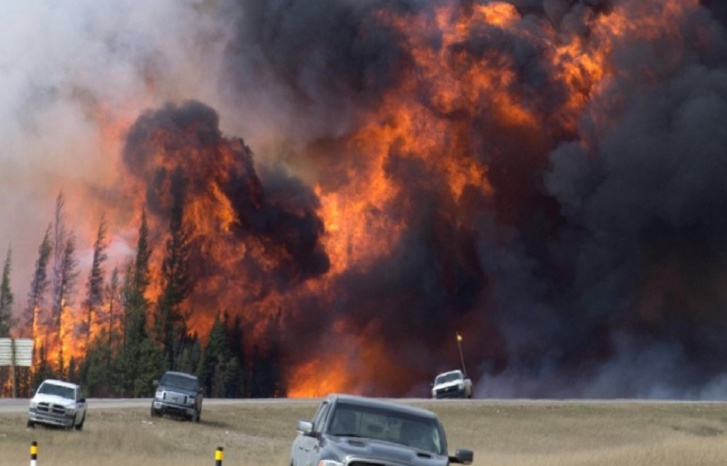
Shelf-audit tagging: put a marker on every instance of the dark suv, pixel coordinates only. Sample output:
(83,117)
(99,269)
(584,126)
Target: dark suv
(177,394)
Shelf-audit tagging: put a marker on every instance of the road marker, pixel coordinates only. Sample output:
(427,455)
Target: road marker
(34,453)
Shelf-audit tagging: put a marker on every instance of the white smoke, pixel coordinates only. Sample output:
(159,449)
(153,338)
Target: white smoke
(73,76)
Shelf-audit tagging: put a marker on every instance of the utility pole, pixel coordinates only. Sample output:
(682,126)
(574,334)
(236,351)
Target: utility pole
(461,355)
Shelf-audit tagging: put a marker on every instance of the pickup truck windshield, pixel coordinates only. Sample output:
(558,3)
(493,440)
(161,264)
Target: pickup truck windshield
(450,377)
(389,425)
(179,381)
(58,390)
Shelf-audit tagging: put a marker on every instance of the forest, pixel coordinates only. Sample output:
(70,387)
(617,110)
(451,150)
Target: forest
(111,335)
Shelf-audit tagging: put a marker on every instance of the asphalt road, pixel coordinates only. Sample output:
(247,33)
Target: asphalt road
(20,405)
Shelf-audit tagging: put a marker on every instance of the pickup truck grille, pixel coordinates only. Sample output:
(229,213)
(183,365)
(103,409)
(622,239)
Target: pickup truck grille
(452,389)
(174,398)
(44,407)
(367,462)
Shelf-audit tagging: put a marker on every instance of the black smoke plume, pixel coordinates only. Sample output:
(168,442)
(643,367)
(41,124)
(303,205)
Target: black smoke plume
(599,265)
(179,152)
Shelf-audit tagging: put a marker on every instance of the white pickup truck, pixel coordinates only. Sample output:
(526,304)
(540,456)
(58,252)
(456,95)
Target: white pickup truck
(452,384)
(57,403)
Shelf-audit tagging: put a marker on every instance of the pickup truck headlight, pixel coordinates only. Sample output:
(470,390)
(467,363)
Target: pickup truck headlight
(190,400)
(329,463)
(33,404)
(70,410)
(159,394)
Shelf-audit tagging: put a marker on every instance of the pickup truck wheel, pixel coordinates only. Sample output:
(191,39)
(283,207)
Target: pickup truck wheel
(31,425)
(196,416)
(154,412)
(80,425)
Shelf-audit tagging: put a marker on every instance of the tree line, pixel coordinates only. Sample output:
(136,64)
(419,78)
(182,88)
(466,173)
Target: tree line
(116,340)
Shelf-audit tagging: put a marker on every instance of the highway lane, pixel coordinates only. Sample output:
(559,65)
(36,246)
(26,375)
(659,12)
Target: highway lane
(20,405)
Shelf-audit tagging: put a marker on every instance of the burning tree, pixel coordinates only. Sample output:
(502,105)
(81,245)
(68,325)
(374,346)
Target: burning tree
(95,285)
(177,283)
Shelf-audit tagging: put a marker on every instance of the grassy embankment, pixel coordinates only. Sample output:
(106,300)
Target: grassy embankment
(508,433)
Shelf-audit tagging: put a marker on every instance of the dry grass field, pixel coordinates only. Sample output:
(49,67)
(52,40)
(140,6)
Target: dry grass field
(516,433)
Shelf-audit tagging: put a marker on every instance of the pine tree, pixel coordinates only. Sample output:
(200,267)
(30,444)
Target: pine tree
(140,360)
(59,243)
(6,318)
(151,366)
(267,374)
(6,299)
(67,283)
(112,299)
(141,276)
(190,356)
(234,382)
(235,337)
(216,350)
(95,285)
(219,378)
(176,280)
(64,279)
(41,368)
(38,288)
(138,278)
(97,379)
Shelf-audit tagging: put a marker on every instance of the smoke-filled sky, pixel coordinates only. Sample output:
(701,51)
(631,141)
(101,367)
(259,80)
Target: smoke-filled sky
(543,177)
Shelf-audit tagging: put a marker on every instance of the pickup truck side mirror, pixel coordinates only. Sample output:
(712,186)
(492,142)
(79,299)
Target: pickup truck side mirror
(462,456)
(305,427)
(81,400)
(155,382)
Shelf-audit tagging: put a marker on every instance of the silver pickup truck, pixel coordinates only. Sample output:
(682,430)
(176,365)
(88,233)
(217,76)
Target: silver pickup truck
(57,403)
(351,430)
(452,384)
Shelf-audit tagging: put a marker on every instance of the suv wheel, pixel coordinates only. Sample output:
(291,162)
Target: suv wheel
(154,412)
(196,416)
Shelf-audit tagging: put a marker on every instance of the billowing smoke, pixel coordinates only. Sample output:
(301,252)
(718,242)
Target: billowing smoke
(543,178)
(243,234)
(602,237)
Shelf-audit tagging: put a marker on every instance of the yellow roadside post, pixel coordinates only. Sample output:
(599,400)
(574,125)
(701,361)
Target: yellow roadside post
(34,453)
(218,456)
